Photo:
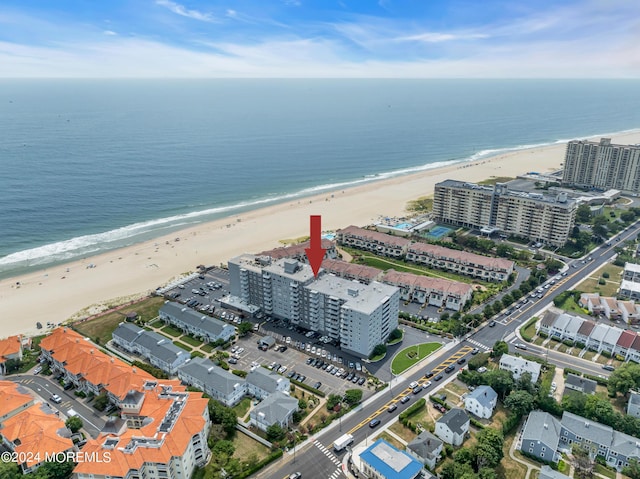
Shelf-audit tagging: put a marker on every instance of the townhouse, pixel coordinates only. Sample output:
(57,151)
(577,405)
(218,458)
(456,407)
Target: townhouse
(10,348)
(595,336)
(546,438)
(352,271)
(368,240)
(461,262)
(221,385)
(278,408)
(155,348)
(430,291)
(262,383)
(297,251)
(89,369)
(197,324)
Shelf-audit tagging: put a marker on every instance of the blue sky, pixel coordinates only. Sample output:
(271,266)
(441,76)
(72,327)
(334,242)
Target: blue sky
(320,38)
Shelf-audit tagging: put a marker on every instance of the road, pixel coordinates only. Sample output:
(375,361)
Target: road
(317,458)
(46,388)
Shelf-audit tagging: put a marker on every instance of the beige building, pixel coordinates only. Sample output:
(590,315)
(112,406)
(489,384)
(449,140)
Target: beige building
(602,165)
(532,216)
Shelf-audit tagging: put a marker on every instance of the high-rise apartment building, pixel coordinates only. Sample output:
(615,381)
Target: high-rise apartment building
(602,165)
(534,216)
(358,316)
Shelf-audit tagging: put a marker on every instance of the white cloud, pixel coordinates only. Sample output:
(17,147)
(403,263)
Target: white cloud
(109,32)
(185,12)
(437,37)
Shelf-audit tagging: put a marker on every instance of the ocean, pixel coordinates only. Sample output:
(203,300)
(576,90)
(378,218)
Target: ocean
(91,165)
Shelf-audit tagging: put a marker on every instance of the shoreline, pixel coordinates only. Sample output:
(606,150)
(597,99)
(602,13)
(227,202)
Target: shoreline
(58,292)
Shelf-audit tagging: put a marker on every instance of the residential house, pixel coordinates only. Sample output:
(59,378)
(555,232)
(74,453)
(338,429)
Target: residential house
(155,348)
(195,323)
(426,448)
(261,383)
(278,409)
(591,302)
(481,401)
(629,290)
(383,461)
(352,271)
(549,317)
(631,272)
(630,312)
(610,308)
(574,382)
(518,366)
(10,348)
(634,351)
(610,339)
(541,436)
(453,426)
(584,333)
(633,406)
(203,374)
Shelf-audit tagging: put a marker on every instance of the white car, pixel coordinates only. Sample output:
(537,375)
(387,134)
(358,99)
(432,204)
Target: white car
(288,341)
(240,351)
(56,399)
(414,384)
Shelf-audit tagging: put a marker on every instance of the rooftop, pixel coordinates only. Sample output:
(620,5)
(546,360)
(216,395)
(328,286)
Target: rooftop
(390,462)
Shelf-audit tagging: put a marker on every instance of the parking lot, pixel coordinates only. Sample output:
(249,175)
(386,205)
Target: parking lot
(202,292)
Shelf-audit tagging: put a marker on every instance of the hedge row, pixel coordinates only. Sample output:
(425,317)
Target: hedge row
(308,388)
(413,409)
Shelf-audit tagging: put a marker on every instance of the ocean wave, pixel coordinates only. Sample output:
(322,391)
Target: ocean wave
(94,243)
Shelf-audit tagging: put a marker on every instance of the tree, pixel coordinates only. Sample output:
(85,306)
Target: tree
(583,214)
(378,350)
(10,470)
(101,402)
(353,396)
(223,448)
(478,361)
(633,469)
(488,311)
(332,401)
(627,216)
(624,378)
(488,450)
(54,470)
(501,381)
(275,433)
(223,415)
(582,462)
(524,383)
(244,328)
(395,334)
(74,423)
(504,250)
(499,348)
(520,402)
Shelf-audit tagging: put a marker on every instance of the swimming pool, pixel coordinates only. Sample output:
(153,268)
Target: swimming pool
(404,226)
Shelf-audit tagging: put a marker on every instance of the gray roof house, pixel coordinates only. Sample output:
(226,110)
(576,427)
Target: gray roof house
(195,323)
(481,401)
(202,373)
(547,473)
(453,426)
(261,383)
(278,408)
(549,317)
(426,448)
(154,347)
(574,382)
(633,406)
(541,436)
(517,366)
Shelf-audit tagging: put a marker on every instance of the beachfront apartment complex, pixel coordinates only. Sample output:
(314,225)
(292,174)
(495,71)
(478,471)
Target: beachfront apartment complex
(460,262)
(357,316)
(161,429)
(533,216)
(602,165)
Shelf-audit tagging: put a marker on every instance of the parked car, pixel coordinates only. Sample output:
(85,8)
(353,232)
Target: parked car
(392,408)
(374,423)
(405,399)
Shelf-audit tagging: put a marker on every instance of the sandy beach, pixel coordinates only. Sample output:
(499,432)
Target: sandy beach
(58,293)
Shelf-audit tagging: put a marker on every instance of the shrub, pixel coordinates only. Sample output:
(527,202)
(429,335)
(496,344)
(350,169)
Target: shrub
(602,281)
(605,275)
(606,354)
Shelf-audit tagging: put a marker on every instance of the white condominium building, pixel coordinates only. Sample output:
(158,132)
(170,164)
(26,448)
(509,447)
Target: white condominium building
(602,165)
(528,215)
(360,316)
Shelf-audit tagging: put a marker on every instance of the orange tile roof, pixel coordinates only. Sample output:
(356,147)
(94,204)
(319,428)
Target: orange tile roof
(427,283)
(296,250)
(174,443)
(11,399)
(81,357)
(375,236)
(9,346)
(36,429)
(342,268)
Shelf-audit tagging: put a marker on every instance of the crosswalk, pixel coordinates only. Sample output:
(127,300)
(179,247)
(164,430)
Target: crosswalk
(332,458)
(478,344)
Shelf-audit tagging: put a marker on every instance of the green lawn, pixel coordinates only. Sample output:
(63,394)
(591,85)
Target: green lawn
(189,340)
(207,348)
(171,331)
(242,408)
(412,355)
(182,346)
(157,324)
(600,469)
(99,329)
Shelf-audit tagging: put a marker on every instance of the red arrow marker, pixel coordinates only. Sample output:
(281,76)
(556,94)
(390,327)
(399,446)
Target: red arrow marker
(315,252)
